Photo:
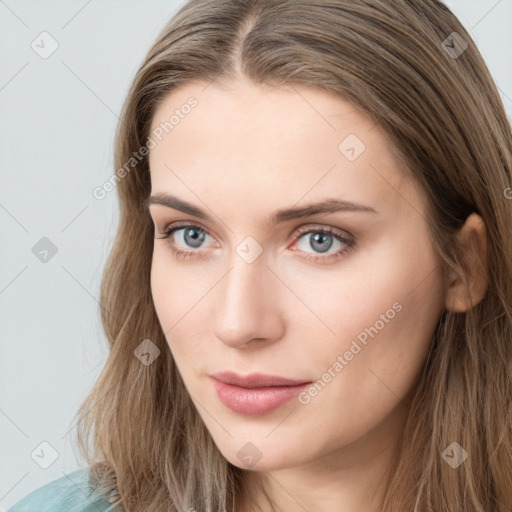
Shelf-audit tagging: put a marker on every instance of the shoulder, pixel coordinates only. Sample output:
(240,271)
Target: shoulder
(69,493)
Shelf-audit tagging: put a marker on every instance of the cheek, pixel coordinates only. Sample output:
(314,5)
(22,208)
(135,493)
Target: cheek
(163,287)
(179,303)
(383,311)
(375,375)
(176,289)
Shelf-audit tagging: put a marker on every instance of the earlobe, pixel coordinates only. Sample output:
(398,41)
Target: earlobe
(465,292)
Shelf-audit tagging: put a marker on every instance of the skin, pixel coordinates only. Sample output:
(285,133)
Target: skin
(242,153)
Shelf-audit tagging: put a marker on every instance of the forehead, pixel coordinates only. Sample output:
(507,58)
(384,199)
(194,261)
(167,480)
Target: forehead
(261,142)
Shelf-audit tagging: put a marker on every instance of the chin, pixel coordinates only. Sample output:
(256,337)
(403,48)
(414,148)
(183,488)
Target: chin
(261,455)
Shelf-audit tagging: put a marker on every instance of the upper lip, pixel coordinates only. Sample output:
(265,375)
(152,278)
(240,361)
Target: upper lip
(255,380)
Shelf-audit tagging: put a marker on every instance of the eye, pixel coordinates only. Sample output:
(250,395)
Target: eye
(190,235)
(322,239)
(319,239)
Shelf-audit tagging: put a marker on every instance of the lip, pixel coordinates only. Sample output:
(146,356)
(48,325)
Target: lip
(255,380)
(257,393)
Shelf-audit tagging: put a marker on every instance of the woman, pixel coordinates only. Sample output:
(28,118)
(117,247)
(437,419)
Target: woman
(250,367)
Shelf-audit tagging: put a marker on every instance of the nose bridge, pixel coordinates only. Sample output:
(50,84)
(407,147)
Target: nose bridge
(244,307)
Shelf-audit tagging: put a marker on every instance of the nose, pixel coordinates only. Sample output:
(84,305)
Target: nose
(247,309)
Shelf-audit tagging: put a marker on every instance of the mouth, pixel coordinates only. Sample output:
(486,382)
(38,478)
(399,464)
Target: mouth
(257,393)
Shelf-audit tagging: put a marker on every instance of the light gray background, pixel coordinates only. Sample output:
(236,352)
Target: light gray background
(57,121)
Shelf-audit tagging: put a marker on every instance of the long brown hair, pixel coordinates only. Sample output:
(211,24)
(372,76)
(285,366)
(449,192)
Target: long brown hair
(400,64)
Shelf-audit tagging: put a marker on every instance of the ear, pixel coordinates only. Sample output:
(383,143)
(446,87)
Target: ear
(465,292)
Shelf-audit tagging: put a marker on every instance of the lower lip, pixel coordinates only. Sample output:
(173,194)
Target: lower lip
(255,401)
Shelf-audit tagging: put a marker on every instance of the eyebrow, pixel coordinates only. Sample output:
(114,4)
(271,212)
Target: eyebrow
(283,215)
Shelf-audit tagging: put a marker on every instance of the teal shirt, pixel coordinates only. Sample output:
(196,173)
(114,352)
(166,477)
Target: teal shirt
(69,493)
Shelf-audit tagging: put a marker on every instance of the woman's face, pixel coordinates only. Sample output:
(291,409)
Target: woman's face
(274,284)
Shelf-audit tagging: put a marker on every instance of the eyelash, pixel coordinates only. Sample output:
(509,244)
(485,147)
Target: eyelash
(179,253)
